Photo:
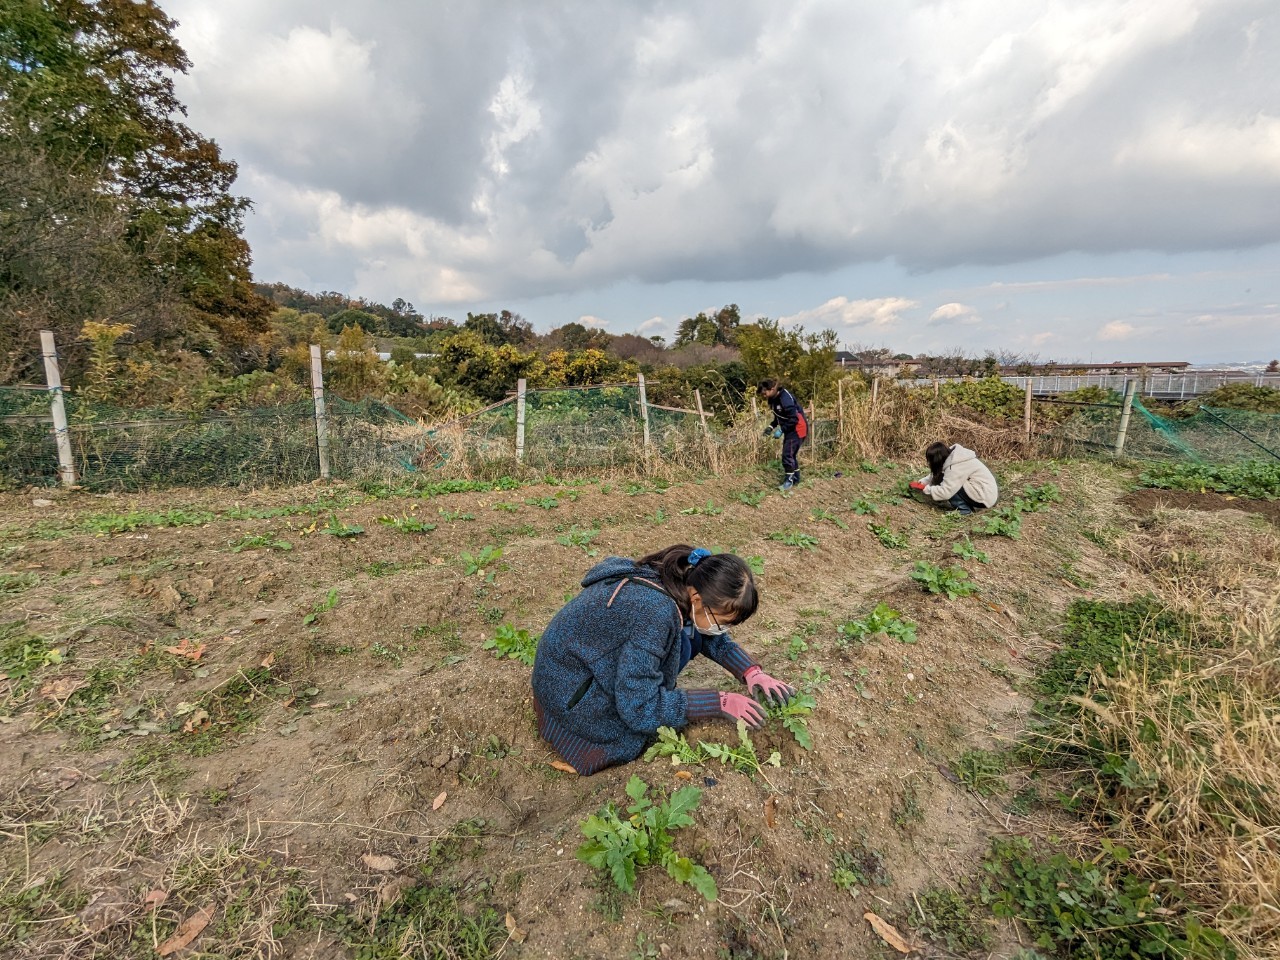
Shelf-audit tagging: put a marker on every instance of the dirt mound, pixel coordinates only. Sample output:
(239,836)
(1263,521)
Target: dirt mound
(1143,502)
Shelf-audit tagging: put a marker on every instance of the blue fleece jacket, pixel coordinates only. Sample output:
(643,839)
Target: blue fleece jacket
(605,675)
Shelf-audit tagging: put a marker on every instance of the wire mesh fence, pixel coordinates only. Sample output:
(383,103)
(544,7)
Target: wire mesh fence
(564,430)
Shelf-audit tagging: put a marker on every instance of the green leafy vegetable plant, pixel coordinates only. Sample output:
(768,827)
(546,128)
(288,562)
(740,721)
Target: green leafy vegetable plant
(794,716)
(336,528)
(479,562)
(261,541)
(883,619)
(887,536)
(952,581)
(577,536)
(513,643)
(805,541)
(965,550)
(644,838)
(819,515)
(406,524)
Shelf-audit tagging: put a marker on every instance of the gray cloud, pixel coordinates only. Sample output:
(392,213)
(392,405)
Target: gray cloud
(457,152)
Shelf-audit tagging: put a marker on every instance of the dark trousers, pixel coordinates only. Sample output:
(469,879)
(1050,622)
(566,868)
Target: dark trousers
(791,444)
(966,504)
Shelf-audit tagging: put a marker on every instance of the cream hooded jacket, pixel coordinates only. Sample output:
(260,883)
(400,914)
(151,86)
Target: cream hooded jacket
(963,469)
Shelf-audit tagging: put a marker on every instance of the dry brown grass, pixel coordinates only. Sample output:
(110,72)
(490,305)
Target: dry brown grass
(1205,738)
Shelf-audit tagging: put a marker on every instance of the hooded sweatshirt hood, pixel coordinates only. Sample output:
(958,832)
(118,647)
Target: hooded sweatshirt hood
(959,455)
(613,568)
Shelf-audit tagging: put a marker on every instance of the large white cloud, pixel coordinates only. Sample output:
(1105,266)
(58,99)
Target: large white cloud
(463,152)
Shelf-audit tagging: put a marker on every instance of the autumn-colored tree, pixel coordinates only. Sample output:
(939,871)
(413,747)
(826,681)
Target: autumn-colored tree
(87,96)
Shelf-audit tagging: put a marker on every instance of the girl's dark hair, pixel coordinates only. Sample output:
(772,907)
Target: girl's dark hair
(768,383)
(936,455)
(723,580)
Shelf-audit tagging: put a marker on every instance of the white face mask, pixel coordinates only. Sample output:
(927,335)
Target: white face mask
(714,630)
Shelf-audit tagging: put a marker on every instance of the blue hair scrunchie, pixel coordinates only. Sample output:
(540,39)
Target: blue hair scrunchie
(698,555)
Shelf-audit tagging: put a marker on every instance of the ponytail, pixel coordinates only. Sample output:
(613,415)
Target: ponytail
(723,580)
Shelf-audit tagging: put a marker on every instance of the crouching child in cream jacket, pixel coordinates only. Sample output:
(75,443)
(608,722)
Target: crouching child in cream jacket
(957,479)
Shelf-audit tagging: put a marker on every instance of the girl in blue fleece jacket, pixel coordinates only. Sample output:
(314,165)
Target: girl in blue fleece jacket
(604,679)
(789,425)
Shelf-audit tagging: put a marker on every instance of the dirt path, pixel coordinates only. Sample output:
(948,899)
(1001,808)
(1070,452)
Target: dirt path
(283,733)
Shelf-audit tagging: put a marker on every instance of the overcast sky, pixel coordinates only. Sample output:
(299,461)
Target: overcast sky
(1077,179)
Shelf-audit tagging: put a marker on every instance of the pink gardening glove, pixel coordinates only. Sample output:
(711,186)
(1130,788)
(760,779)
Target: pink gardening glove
(764,687)
(735,707)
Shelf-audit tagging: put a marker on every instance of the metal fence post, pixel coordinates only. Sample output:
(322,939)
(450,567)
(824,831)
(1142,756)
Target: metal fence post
(520,391)
(61,435)
(644,413)
(322,422)
(1130,387)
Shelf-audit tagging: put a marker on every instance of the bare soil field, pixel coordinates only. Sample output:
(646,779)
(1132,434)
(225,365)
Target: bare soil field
(233,726)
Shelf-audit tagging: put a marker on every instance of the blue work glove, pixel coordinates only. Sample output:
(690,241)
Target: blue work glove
(777,433)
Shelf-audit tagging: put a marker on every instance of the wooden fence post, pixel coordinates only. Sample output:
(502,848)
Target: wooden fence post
(706,431)
(1130,387)
(520,392)
(61,434)
(936,388)
(322,422)
(840,408)
(644,413)
(875,389)
(1026,413)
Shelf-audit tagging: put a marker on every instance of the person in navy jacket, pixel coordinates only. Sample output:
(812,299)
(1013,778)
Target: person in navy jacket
(789,424)
(604,678)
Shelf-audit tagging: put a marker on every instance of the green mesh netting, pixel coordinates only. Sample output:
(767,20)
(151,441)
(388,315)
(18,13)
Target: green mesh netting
(117,449)
(1217,434)
(1209,435)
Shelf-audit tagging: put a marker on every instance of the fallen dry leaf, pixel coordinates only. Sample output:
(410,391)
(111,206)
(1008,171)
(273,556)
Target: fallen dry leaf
(268,660)
(380,862)
(771,811)
(515,932)
(60,689)
(186,648)
(155,898)
(438,802)
(888,933)
(187,931)
(199,717)
(683,775)
(562,766)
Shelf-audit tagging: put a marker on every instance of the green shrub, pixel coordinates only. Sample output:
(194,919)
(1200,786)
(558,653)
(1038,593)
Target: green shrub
(1244,396)
(990,396)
